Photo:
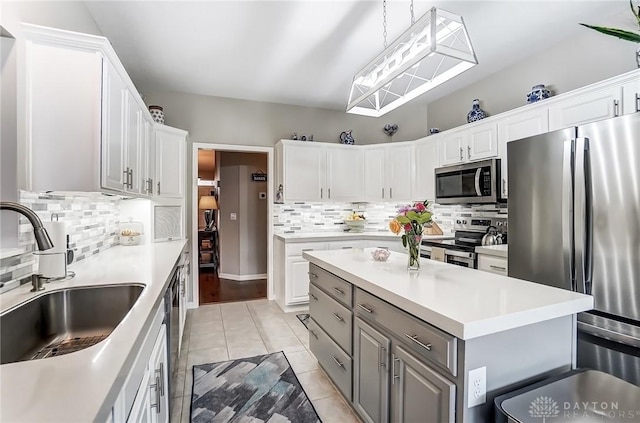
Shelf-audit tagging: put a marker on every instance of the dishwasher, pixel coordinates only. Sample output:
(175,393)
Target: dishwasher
(172,322)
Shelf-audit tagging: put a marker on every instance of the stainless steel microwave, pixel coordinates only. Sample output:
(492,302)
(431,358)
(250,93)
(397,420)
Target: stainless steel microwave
(469,183)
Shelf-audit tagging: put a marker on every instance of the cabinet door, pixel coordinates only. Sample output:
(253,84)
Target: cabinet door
(418,392)
(399,160)
(304,173)
(344,174)
(392,245)
(297,290)
(158,374)
(141,411)
(374,174)
(426,162)
(170,163)
(133,141)
(631,97)
(148,159)
(481,141)
(371,373)
(451,148)
(113,135)
(521,125)
(346,245)
(589,107)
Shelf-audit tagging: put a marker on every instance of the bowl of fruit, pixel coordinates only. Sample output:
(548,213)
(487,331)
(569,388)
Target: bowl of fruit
(355,222)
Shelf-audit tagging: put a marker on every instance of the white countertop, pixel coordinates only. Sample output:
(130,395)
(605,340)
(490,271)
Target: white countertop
(467,303)
(335,236)
(82,386)
(494,250)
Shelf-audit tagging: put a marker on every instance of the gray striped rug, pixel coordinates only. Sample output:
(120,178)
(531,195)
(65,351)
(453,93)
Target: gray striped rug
(254,389)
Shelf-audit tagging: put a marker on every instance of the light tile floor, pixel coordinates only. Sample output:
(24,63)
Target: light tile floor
(234,330)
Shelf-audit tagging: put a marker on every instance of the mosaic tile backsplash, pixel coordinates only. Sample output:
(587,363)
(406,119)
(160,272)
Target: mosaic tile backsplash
(328,217)
(92,225)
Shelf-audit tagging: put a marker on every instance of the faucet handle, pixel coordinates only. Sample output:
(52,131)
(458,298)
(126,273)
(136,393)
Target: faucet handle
(37,282)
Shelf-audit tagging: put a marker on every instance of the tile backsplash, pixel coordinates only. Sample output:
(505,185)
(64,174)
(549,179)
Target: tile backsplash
(328,217)
(92,224)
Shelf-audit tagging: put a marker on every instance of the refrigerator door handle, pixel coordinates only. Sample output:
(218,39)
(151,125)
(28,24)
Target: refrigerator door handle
(567,211)
(582,218)
(478,172)
(605,333)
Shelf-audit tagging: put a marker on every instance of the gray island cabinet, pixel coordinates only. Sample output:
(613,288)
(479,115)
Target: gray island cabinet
(436,346)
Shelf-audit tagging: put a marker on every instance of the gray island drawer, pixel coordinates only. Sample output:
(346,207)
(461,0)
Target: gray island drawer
(332,316)
(338,288)
(335,362)
(426,340)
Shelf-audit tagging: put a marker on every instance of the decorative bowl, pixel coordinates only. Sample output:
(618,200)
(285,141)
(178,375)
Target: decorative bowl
(355,225)
(380,254)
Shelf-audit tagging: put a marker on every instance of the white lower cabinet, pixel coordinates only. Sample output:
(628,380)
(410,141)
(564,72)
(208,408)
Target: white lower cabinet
(392,245)
(493,264)
(141,411)
(346,245)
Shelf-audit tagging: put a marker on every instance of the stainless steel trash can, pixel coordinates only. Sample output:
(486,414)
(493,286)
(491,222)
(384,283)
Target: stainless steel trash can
(581,395)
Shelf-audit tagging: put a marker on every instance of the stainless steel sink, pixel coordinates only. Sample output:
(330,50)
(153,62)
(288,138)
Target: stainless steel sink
(65,321)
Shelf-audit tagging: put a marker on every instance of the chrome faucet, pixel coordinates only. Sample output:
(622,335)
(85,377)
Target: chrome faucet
(42,237)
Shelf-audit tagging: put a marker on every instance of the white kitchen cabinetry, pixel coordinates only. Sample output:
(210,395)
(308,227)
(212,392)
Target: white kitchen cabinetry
(388,172)
(392,245)
(346,245)
(596,104)
(319,171)
(516,126)
(148,160)
(171,144)
(426,161)
(493,264)
(133,151)
(141,410)
(631,96)
(469,144)
(159,383)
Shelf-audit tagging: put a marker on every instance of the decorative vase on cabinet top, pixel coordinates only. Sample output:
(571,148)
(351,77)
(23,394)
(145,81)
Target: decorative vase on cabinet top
(347,138)
(476,112)
(157,114)
(538,93)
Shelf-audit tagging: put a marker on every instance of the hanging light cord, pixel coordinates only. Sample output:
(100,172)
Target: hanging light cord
(413,19)
(384,22)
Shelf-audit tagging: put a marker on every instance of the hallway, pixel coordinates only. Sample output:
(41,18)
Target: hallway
(216,290)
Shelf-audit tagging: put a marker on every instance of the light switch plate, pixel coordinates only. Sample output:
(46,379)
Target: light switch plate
(233,216)
(477,383)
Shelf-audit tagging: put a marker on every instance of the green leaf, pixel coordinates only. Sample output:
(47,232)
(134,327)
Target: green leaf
(620,33)
(412,215)
(403,220)
(636,14)
(426,217)
(404,241)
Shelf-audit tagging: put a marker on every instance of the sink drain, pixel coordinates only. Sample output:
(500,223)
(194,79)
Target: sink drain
(67,346)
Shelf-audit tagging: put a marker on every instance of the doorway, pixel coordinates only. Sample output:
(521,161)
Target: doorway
(232,219)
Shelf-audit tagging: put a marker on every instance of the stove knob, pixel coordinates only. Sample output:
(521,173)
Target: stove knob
(458,221)
(464,222)
(499,224)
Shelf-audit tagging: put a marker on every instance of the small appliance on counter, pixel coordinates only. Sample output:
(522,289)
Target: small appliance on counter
(131,232)
(52,263)
(469,233)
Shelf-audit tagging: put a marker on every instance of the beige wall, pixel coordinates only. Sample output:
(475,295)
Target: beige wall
(573,63)
(230,121)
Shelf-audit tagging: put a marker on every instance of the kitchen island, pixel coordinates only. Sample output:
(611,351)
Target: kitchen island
(437,345)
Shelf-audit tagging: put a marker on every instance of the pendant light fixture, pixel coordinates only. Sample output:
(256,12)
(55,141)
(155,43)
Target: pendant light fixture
(433,50)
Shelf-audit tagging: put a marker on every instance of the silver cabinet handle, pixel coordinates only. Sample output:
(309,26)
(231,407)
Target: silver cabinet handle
(338,317)
(157,405)
(131,178)
(414,338)
(329,191)
(382,192)
(616,108)
(461,157)
(313,275)
(320,193)
(637,102)
(161,371)
(158,187)
(368,310)
(307,249)
(504,186)
(381,361)
(390,192)
(393,369)
(313,333)
(469,152)
(338,362)
(497,267)
(126,178)
(338,290)
(313,296)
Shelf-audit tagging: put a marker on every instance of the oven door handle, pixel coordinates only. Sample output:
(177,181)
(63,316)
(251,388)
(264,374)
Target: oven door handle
(458,254)
(478,172)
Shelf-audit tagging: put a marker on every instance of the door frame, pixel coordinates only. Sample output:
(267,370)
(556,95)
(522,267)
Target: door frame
(194,210)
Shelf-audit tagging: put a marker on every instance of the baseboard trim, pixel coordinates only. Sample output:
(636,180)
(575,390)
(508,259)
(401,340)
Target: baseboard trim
(242,277)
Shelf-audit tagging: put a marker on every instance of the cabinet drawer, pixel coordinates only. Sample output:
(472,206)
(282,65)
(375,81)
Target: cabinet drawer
(338,288)
(426,340)
(334,318)
(335,362)
(297,248)
(493,264)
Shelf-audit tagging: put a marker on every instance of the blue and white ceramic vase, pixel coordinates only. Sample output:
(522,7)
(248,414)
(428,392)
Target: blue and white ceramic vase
(476,112)
(157,114)
(347,138)
(538,93)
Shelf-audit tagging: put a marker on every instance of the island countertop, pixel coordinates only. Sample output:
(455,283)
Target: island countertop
(467,303)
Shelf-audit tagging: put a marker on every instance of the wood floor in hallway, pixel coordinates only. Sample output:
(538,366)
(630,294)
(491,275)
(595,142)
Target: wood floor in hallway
(215,290)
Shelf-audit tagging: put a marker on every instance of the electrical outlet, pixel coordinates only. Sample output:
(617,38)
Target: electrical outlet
(477,383)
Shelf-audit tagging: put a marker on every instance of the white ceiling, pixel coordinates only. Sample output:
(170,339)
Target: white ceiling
(306,52)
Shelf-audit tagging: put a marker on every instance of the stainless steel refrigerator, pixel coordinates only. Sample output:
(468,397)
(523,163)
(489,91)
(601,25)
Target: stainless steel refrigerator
(574,223)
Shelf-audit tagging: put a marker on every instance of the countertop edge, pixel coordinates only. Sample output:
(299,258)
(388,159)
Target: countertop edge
(494,250)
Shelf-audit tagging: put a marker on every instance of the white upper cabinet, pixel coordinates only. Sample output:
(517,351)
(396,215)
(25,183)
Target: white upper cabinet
(133,156)
(388,172)
(631,96)
(481,141)
(171,144)
(319,171)
(452,148)
(426,159)
(148,161)
(113,136)
(591,106)
(58,124)
(374,174)
(516,126)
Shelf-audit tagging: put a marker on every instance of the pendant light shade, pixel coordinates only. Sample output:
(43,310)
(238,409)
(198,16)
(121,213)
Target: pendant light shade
(433,50)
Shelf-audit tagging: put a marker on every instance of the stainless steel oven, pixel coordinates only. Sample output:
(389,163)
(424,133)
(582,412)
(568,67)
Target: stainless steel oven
(469,183)
(459,258)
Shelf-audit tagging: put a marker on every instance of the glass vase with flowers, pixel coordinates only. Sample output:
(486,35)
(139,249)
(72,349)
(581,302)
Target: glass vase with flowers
(412,219)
